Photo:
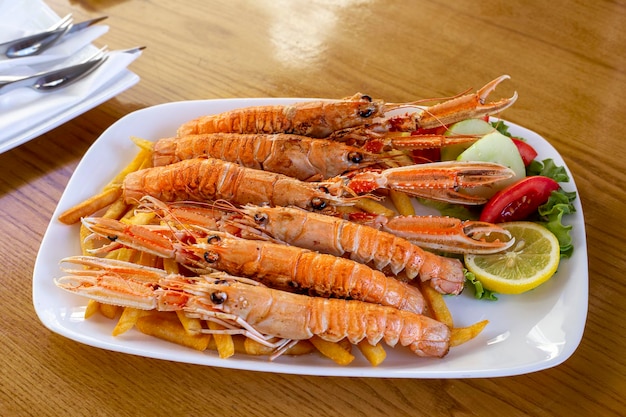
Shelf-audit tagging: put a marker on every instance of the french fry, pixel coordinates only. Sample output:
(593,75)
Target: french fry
(333,351)
(92,308)
(168,327)
(109,311)
(303,347)
(143,144)
(141,160)
(372,206)
(116,210)
(170,266)
(127,320)
(147,259)
(461,335)
(91,205)
(110,193)
(127,216)
(191,325)
(238,343)
(346,345)
(347,209)
(140,218)
(375,354)
(402,202)
(437,304)
(224,342)
(124,254)
(252,347)
(85,244)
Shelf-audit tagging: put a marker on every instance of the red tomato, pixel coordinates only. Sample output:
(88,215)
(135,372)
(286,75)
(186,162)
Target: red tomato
(527,152)
(519,200)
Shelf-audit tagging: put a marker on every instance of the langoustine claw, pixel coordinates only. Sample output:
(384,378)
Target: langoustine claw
(437,181)
(442,233)
(460,108)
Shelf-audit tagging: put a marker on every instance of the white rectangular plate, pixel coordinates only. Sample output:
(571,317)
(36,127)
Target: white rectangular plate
(526,333)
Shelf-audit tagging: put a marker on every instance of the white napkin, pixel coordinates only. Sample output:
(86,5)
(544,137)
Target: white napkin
(24,108)
(68,46)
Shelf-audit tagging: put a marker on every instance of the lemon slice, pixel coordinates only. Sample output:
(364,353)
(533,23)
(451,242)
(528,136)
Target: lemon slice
(531,261)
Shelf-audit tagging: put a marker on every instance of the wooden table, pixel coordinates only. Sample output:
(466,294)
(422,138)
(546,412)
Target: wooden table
(567,61)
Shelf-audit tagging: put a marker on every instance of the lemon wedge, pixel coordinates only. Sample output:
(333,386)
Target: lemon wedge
(531,261)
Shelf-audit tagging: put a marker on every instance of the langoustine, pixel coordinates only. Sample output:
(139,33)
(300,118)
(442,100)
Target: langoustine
(257,311)
(384,249)
(300,157)
(296,156)
(212,179)
(322,118)
(322,233)
(279,266)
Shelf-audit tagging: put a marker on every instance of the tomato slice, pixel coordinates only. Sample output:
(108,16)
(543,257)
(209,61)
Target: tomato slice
(527,152)
(519,200)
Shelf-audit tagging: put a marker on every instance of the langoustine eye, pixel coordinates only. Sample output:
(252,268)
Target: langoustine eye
(318,204)
(366,113)
(218,297)
(369,111)
(260,218)
(355,157)
(211,257)
(213,239)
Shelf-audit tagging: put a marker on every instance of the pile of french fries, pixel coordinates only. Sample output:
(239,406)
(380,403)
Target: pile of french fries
(177,328)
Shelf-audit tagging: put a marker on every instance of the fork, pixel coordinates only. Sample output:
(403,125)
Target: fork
(53,80)
(39,42)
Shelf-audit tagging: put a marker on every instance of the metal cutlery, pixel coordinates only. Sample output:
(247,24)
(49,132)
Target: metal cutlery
(39,42)
(53,80)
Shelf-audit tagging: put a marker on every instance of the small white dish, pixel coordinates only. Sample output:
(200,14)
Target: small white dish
(526,333)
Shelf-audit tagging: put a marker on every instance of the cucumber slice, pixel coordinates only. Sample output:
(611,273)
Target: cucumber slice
(497,148)
(464,127)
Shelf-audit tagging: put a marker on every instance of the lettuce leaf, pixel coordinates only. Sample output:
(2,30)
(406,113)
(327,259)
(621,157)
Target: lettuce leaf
(551,216)
(479,291)
(549,169)
(551,213)
(501,127)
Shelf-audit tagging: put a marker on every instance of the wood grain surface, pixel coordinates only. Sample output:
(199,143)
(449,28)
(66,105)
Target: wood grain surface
(567,60)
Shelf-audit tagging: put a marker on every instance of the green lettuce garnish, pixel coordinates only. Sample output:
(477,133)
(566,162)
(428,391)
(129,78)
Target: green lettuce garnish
(551,216)
(479,291)
(551,213)
(549,169)
(501,127)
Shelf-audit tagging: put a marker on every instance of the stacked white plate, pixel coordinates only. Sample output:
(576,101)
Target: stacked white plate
(25,113)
